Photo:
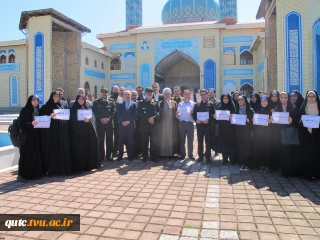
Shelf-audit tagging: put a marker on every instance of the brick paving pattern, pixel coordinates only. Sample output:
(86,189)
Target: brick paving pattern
(169,200)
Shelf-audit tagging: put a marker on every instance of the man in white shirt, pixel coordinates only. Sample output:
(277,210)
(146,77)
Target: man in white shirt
(186,127)
(156,95)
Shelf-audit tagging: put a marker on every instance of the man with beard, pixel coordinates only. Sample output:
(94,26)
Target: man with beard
(104,110)
(156,95)
(81,92)
(140,93)
(117,99)
(215,129)
(121,92)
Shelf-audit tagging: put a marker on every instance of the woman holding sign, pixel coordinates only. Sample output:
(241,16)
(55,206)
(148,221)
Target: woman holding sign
(55,144)
(309,137)
(30,163)
(226,131)
(83,137)
(243,134)
(288,154)
(262,139)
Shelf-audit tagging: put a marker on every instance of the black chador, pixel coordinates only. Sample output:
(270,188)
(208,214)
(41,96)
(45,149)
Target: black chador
(83,139)
(55,144)
(30,163)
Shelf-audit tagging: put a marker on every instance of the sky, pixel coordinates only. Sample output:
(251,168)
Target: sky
(101,16)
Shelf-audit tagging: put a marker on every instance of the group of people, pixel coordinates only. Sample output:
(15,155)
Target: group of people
(138,118)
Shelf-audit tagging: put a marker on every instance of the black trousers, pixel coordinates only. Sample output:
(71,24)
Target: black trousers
(105,132)
(126,136)
(145,136)
(204,133)
(137,139)
(116,134)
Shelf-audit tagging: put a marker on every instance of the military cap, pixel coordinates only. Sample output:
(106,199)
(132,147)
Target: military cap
(149,89)
(104,89)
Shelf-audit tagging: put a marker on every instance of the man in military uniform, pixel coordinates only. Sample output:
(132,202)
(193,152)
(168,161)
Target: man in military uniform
(104,110)
(148,113)
(203,114)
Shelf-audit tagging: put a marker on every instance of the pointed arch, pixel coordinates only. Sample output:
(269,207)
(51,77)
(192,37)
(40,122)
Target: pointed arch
(316,55)
(3,59)
(246,57)
(209,74)
(14,86)
(12,58)
(229,58)
(115,64)
(293,46)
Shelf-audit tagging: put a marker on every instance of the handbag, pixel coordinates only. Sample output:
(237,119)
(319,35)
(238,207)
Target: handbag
(289,136)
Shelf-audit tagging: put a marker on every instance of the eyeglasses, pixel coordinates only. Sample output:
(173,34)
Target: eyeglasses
(89,96)
(203,94)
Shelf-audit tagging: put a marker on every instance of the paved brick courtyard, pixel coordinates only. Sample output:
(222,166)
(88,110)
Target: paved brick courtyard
(170,200)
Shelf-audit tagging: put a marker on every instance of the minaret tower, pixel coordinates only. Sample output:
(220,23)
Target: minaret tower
(228,11)
(133,14)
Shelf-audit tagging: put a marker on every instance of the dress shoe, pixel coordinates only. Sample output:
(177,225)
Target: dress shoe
(130,159)
(199,160)
(118,159)
(144,160)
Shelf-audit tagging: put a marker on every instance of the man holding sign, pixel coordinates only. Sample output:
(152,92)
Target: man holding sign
(202,114)
(186,128)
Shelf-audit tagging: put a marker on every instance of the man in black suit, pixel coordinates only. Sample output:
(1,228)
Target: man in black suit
(215,129)
(127,113)
(156,95)
(193,96)
(139,90)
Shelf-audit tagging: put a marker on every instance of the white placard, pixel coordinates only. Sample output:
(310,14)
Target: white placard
(261,119)
(43,121)
(62,114)
(239,119)
(84,113)
(280,117)
(310,121)
(184,110)
(223,115)
(202,116)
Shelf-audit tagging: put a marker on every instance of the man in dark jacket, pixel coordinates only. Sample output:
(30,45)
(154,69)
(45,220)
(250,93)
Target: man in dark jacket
(202,114)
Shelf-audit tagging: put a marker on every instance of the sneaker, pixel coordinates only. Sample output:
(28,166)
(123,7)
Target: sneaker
(242,167)
(246,169)
(262,169)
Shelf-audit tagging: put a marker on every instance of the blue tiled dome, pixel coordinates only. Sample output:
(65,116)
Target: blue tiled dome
(184,11)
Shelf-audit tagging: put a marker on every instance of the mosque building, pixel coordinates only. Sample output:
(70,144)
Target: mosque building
(201,44)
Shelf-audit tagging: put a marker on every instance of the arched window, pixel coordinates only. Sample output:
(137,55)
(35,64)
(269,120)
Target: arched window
(102,65)
(115,64)
(86,88)
(87,61)
(246,58)
(95,92)
(229,58)
(246,90)
(95,63)
(3,59)
(12,58)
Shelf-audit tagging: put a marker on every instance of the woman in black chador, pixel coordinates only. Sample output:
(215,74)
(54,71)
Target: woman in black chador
(261,139)
(243,134)
(296,99)
(83,139)
(309,164)
(255,101)
(226,131)
(288,153)
(30,163)
(55,144)
(274,101)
